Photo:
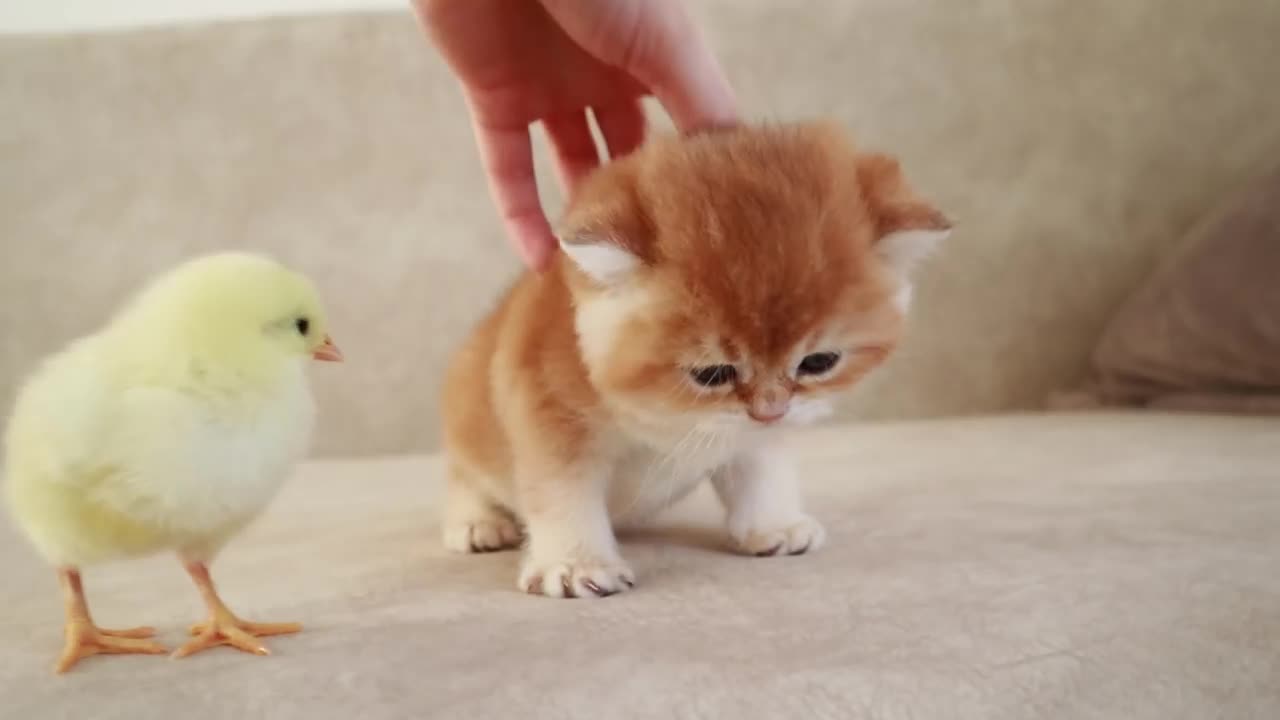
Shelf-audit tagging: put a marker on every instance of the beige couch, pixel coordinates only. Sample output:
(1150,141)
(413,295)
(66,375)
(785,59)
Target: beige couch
(987,559)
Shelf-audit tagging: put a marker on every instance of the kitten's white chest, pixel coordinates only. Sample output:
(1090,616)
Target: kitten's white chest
(648,479)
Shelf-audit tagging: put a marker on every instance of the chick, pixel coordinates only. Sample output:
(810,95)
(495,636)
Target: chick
(168,430)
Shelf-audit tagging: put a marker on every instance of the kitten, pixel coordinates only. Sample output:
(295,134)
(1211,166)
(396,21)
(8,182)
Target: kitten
(711,288)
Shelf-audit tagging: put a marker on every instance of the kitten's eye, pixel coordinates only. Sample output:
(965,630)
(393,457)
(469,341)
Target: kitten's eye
(818,363)
(303,325)
(713,375)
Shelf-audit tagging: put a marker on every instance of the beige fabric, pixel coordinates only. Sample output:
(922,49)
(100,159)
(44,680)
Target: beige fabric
(1204,332)
(1069,140)
(998,569)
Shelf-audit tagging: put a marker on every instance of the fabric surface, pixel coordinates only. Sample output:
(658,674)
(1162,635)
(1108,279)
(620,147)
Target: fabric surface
(1006,568)
(1204,332)
(1069,142)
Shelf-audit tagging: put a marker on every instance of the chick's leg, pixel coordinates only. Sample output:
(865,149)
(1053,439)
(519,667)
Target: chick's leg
(223,627)
(84,639)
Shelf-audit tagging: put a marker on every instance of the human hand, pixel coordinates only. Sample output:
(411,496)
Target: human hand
(524,61)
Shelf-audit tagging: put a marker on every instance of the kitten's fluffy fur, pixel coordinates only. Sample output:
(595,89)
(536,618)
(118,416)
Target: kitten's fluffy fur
(576,404)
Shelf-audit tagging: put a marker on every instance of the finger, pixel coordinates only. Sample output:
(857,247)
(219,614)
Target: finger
(507,156)
(690,85)
(658,44)
(622,124)
(576,151)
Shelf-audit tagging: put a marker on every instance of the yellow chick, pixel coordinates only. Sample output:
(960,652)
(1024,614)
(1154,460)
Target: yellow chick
(168,430)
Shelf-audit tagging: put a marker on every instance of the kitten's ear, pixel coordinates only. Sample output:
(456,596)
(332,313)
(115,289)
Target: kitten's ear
(909,235)
(599,256)
(908,229)
(601,230)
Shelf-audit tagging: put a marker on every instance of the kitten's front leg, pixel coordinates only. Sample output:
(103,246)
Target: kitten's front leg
(761,495)
(571,551)
(472,522)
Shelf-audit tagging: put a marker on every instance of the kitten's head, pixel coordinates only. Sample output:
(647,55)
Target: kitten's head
(744,275)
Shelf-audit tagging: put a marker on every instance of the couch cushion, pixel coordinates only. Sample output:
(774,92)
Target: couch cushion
(1203,333)
(1049,567)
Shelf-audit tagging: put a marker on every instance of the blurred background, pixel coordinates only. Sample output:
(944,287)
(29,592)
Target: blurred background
(1073,143)
(77,15)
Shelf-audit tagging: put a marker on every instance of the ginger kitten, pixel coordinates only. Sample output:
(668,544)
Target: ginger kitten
(711,289)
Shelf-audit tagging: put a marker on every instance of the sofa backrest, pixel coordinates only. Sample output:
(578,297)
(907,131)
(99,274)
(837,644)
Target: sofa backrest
(1070,142)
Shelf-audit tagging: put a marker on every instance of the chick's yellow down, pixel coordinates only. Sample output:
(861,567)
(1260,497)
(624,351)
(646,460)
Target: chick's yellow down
(168,430)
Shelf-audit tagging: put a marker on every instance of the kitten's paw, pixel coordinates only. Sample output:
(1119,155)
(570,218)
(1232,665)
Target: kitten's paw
(482,533)
(796,538)
(578,578)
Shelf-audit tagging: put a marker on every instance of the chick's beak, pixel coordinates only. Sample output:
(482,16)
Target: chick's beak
(328,352)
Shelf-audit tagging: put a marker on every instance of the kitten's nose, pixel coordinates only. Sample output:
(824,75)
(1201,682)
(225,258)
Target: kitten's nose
(769,405)
(766,419)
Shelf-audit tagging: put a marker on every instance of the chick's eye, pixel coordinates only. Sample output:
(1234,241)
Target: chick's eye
(713,375)
(303,325)
(818,363)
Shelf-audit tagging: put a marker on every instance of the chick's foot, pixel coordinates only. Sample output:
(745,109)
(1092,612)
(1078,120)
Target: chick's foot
(84,640)
(223,628)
